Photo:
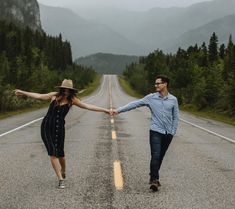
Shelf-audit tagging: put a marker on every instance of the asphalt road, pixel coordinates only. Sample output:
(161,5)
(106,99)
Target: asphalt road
(198,171)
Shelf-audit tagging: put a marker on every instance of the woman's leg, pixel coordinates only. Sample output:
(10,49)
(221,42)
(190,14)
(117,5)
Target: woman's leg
(57,167)
(63,166)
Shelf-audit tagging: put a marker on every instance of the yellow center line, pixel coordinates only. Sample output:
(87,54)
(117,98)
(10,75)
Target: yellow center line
(114,135)
(118,179)
(110,95)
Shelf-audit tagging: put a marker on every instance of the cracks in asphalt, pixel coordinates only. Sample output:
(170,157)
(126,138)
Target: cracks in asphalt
(99,190)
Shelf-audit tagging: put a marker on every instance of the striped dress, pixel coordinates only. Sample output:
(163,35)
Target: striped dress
(52,129)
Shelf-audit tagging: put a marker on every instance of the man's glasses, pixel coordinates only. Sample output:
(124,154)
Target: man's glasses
(157,84)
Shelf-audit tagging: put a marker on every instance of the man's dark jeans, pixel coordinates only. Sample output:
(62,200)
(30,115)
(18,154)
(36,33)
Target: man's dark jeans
(159,144)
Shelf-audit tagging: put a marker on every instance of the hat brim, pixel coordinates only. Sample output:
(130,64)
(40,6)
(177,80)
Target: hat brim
(65,87)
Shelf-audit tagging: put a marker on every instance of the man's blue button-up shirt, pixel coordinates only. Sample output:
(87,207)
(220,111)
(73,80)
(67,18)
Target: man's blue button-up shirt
(165,111)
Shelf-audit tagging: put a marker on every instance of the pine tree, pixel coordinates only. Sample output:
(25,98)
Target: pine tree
(203,56)
(213,49)
(228,59)
(222,51)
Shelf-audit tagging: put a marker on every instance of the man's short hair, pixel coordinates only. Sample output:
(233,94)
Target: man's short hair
(164,79)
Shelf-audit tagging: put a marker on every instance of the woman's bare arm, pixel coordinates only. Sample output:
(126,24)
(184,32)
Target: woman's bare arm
(34,95)
(83,105)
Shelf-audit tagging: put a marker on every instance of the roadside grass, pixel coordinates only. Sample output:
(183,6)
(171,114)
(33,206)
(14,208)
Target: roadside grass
(91,88)
(36,106)
(42,104)
(127,88)
(209,114)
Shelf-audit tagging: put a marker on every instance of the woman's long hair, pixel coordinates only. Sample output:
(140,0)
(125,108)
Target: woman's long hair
(61,95)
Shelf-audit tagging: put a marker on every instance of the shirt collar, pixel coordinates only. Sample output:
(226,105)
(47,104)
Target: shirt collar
(165,97)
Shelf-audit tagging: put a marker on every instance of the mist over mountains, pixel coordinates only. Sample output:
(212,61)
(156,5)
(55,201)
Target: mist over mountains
(86,37)
(222,26)
(138,33)
(107,63)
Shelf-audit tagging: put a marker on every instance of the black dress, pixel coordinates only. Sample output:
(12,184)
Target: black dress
(52,129)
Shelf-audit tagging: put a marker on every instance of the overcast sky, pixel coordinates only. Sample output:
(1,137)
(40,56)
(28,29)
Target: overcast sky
(124,4)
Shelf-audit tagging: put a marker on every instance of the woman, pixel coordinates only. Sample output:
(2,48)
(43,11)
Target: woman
(52,127)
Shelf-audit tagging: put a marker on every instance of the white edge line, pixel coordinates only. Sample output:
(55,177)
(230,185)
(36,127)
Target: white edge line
(18,128)
(211,132)
(38,119)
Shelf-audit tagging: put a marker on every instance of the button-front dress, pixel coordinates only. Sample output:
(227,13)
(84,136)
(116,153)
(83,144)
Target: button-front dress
(52,129)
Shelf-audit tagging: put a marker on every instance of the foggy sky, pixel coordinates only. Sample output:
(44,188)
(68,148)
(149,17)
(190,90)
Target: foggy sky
(123,4)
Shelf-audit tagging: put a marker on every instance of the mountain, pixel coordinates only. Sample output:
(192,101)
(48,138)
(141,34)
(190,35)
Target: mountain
(107,63)
(86,37)
(21,12)
(155,28)
(223,27)
(132,32)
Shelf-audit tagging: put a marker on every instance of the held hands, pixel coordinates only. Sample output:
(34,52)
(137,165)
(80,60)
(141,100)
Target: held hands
(113,112)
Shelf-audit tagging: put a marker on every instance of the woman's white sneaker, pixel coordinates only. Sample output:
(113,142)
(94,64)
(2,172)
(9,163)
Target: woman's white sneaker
(61,184)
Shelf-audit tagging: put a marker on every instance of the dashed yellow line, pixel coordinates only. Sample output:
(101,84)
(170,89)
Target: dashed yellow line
(118,179)
(110,95)
(114,135)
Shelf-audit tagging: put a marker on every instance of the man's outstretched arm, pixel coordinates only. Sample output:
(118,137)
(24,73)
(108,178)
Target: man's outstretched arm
(132,105)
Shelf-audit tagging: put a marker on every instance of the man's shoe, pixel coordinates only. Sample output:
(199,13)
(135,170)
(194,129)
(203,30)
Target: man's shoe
(154,185)
(61,184)
(158,182)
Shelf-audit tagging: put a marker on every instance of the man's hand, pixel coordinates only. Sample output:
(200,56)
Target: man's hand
(113,112)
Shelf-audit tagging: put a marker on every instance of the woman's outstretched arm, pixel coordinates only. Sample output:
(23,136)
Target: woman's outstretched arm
(83,105)
(47,96)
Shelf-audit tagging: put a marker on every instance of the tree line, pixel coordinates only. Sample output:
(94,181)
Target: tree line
(201,76)
(35,61)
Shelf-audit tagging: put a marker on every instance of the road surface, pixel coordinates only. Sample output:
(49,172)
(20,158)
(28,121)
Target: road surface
(108,161)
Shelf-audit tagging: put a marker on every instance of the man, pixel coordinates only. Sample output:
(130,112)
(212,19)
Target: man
(164,122)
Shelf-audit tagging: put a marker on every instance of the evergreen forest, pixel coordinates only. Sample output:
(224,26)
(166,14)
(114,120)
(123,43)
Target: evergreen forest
(201,76)
(34,61)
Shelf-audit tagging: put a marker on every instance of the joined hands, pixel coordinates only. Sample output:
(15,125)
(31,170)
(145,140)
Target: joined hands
(113,112)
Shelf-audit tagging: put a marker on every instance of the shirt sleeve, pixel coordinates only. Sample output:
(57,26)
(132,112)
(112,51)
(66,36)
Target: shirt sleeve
(175,117)
(135,104)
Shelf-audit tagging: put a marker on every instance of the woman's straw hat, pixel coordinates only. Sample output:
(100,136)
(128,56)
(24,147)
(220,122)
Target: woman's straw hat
(67,84)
